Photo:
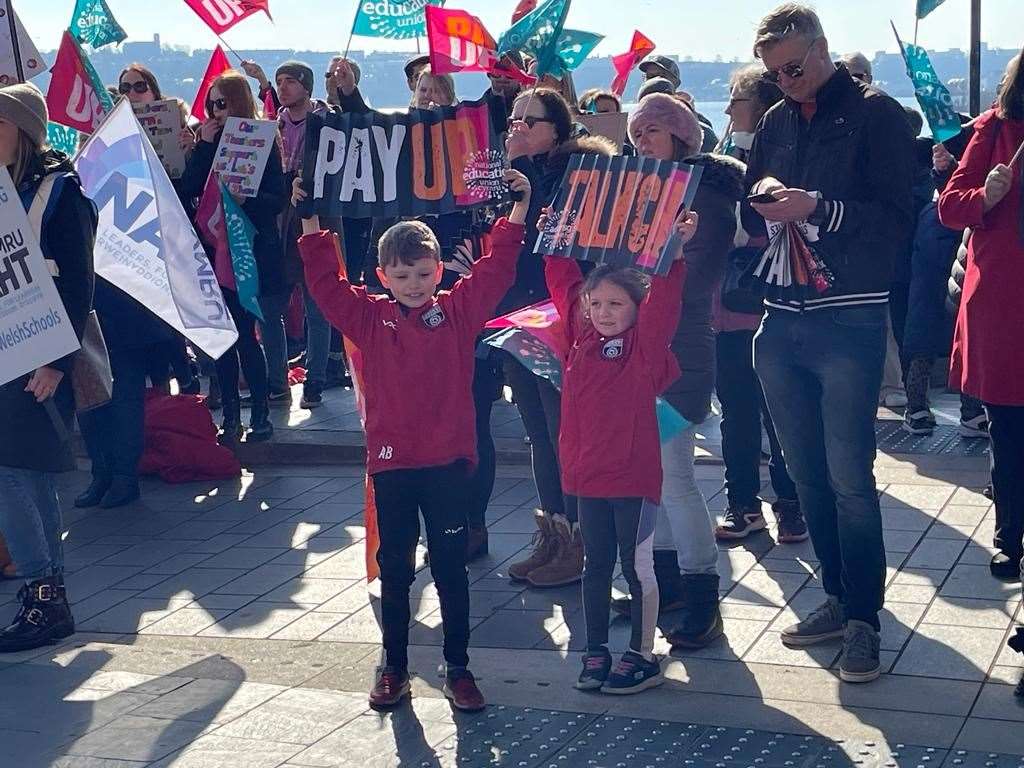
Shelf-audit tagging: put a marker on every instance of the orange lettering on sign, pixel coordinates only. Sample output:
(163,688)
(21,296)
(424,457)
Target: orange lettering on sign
(624,194)
(603,180)
(460,139)
(648,192)
(439,187)
(664,219)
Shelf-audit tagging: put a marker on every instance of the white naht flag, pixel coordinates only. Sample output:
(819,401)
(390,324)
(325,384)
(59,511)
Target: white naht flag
(145,244)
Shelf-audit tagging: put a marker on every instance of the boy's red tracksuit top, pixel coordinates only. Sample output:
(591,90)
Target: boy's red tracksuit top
(418,363)
(609,445)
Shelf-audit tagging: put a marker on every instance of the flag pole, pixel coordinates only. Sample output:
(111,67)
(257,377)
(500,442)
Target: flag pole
(352,32)
(917,23)
(224,43)
(15,43)
(1017,155)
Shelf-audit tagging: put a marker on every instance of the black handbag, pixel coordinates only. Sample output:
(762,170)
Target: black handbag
(740,292)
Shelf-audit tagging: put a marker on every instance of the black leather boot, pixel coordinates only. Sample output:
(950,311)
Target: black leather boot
(260,428)
(701,622)
(43,619)
(93,495)
(670,584)
(231,429)
(124,489)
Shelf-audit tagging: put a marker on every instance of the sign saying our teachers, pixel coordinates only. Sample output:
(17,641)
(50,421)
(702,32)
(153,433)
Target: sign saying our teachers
(424,161)
(34,327)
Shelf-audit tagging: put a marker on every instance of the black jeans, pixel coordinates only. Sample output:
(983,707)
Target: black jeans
(743,411)
(1006,433)
(246,350)
(822,373)
(113,433)
(440,494)
(486,381)
(540,406)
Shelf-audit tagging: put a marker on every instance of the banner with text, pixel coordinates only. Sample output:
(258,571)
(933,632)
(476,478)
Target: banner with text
(932,95)
(392,19)
(145,243)
(242,154)
(619,210)
(76,97)
(163,123)
(92,23)
(424,161)
(222,15)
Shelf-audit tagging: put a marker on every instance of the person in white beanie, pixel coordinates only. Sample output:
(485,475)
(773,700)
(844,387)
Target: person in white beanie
(30,517)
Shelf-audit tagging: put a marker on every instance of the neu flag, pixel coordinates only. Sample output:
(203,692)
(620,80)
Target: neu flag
(218,65)
(924,7)
(932,95)
(145,243)
(62,138)
(93,24)
(392,19)
(538,34)
(241,235)
(625,63)
(459,42)
(222,15)
(573,48)
(76,96)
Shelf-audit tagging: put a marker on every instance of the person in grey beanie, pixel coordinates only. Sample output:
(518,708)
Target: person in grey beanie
(38,406)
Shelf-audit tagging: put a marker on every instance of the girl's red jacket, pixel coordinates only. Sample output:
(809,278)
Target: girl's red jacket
(417,364)
(609,445)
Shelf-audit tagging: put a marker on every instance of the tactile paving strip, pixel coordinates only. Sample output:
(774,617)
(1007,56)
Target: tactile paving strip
(745,748)
(959,758)
(945,440)
(622,742)
(870,754)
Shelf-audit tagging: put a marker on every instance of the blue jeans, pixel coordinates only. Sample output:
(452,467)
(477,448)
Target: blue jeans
(113,433)
(275,343)
(30,521)
(822,372)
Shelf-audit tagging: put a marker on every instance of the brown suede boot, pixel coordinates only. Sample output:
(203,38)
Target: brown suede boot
(543,549)
(566,565)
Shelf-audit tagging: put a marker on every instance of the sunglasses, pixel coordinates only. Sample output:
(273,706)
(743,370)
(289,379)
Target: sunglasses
(140,87)
(220,104)
(792,71)
(530,121)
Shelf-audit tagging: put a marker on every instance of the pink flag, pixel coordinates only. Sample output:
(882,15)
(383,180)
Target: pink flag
(458,42)
(222,15)
(211,229)
(74,97)
(625,63)
(218,65)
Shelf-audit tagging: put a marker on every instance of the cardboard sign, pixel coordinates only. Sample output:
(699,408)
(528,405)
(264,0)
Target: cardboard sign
(34,327)
(424,161)
(619,210)
(163,124)
(242,154)
(611,125)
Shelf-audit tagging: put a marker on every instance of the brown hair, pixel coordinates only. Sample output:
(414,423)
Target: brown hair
(406,243)
(784,22)
(1011,96)
(24,155)
(445,84)
(589,99)
(145,73)
(635,284)
(237,93)
(555,109)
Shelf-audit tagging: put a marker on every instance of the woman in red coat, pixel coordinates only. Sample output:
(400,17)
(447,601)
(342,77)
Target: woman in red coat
(985,194)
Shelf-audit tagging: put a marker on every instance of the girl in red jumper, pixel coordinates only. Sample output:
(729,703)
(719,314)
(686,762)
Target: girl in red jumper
(618,326)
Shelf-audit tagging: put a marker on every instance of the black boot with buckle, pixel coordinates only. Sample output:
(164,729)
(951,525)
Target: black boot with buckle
(43,619)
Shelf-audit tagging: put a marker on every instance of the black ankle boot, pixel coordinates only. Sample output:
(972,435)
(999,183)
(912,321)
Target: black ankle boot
(260,428)
(124,489)
(43,619)
(701,622)
(231,429)
(93,495)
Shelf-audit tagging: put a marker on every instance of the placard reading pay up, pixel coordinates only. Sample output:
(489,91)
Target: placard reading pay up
(242,154)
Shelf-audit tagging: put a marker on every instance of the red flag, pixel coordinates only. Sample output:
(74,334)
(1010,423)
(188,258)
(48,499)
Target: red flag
(72,98)
(218,64)
(222,15)
(524,7)
(458,42)
(625,63)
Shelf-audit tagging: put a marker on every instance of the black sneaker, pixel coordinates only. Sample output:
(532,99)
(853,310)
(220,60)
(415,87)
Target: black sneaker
(920,422)
(312,396)
(596,667)
(792,526)
(740,522)
(633,674)
(976,426)
(1005,567)
(274,400)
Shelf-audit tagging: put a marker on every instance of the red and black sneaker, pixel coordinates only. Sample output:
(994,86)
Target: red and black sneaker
(460,687)
(792,526)
(740,522)
(392,686)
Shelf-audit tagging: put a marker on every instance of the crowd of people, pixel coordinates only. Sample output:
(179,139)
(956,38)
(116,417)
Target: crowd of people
(810,141)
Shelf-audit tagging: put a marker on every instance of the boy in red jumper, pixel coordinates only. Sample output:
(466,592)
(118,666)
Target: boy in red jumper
(618,329)
(418,360)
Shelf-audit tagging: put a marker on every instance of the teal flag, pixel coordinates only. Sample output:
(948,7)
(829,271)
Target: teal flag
(573,48)
(392,19)
(62,138)
(241,234)
(670,421)
(94,24)
(924,7)
(538,34)
(932,95)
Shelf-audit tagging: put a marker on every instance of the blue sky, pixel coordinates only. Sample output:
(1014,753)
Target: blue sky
(681,27)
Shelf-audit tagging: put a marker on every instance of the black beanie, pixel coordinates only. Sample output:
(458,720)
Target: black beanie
(298,70)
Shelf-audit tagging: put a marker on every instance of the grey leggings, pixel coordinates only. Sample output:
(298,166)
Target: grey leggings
(626,525)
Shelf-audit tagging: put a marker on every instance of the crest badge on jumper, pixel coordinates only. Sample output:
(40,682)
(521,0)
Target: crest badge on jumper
(612,349)
(433,318)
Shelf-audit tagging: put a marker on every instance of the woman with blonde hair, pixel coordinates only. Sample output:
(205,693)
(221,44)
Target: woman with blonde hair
(434,91)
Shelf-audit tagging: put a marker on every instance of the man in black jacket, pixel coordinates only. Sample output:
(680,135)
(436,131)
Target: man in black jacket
(838,155)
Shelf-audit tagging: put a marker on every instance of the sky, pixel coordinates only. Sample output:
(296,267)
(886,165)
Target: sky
(702,29)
